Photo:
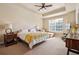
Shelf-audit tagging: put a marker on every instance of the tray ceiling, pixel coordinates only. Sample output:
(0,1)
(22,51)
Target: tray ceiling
(36,9)
(68,6)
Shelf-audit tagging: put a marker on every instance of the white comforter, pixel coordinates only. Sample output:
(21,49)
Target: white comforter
(43,38)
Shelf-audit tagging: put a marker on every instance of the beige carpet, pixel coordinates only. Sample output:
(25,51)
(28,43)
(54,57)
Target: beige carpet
(53,46)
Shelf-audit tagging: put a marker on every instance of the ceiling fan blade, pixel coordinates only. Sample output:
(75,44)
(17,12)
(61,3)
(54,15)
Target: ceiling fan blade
(44,7)
(48,5)
(37,5)
(40,8)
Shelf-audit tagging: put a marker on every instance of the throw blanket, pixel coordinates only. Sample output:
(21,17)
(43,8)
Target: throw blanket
(34,36)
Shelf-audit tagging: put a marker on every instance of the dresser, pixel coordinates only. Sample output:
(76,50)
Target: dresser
(72,43)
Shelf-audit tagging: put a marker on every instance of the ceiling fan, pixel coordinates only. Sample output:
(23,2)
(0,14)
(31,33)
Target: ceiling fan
(43,6)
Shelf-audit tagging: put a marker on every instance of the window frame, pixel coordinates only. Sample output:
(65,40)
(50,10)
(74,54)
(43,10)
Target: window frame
(60,22)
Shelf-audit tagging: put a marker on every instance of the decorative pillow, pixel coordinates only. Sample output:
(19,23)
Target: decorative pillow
(33,30)
(25,30)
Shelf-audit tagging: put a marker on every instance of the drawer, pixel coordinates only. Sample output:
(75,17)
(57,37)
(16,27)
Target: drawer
(72,44)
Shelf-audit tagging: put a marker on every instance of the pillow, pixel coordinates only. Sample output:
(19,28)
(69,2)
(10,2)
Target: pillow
(33,30)
(23,31)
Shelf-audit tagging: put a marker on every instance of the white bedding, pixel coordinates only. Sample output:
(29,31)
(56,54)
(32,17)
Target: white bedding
(21,35)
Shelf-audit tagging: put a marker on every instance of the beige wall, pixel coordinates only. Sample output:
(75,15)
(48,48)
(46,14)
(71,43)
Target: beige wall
(68,18)
(78,17)
(45,24)
(18,16)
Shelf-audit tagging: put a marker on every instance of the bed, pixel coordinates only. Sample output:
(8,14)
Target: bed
(33,38)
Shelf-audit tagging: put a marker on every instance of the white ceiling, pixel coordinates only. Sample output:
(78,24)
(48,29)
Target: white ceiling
(68,6)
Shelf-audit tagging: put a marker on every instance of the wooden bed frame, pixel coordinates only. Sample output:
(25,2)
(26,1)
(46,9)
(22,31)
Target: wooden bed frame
(20,40)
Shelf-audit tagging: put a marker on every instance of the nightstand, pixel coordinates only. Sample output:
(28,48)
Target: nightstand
(10,38)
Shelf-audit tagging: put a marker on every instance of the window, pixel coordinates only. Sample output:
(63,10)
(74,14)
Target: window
(58,25)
